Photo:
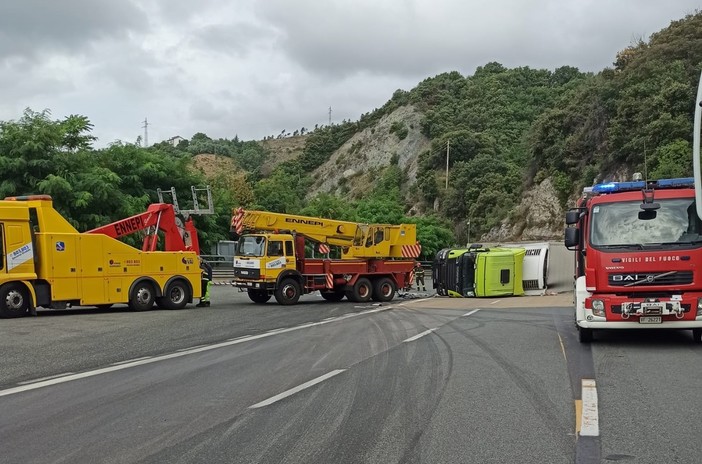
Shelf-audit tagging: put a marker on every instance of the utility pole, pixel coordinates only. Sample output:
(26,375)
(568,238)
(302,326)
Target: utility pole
(146,132)
(448,149)
(330,115)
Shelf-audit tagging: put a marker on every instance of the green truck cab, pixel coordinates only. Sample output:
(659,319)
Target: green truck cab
(478,271)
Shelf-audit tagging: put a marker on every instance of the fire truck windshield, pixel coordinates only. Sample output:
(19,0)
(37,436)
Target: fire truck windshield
(251,245)
(619,225)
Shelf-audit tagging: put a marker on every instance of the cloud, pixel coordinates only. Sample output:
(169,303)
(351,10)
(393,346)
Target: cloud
(39,27)
(253,68)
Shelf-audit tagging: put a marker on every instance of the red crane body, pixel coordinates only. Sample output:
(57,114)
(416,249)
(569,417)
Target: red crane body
(158,217)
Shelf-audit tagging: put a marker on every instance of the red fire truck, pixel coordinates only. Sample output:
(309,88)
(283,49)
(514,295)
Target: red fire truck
(638,247)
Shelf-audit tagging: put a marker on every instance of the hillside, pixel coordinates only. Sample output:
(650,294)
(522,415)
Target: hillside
(281,150)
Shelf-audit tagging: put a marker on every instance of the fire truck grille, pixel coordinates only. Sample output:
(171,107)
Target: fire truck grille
(650,278)
(617,309)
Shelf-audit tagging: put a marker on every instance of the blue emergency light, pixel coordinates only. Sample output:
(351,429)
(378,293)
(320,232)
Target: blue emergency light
(612,187)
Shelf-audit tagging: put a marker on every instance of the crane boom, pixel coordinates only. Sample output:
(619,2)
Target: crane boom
(357,240)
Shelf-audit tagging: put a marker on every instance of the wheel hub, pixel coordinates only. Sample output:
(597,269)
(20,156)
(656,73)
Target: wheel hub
(14,300)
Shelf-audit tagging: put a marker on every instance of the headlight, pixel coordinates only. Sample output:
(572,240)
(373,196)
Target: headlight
(699,306)
(598,308)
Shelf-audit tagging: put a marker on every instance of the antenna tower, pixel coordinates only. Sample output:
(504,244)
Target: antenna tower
(146,132)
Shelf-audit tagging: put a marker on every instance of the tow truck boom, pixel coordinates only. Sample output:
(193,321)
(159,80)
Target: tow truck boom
(158,217)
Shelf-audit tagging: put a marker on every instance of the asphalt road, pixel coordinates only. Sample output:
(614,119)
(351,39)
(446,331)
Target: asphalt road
(420,380)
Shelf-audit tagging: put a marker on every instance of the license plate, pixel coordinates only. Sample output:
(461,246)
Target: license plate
(650,319)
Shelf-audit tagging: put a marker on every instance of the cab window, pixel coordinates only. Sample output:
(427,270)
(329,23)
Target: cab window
(275,248)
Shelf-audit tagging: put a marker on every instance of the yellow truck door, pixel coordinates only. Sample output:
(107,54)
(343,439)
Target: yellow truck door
(277,261)
(63,266)
(19,248)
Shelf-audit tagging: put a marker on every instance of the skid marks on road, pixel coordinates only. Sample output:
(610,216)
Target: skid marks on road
(528,383)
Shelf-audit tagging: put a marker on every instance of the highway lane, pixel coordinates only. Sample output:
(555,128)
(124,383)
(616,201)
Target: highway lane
(60,341)
(463,392)
(417,381)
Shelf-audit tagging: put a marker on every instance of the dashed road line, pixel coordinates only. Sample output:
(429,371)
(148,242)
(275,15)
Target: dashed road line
(420,335)
(469,313)
(589,417)
(297,389)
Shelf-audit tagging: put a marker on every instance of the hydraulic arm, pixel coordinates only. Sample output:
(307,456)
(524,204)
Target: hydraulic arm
(178,236)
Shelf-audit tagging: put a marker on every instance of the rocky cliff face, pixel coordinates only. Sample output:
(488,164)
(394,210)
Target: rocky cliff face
(538,217)
(353,167)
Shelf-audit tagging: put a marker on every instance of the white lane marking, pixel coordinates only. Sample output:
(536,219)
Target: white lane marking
(496,301)
(301,387)
(45,378)
(40,383)
(415,301)
(190,348)
(589,423)
(471,312)
(118,363)
(420,335)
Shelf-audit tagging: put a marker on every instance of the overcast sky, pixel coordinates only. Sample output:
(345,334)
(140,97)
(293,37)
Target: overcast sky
(255,67)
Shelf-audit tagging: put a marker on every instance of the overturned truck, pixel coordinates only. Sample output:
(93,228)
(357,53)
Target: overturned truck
(479,271)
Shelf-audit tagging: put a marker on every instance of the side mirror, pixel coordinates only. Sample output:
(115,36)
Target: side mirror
(572,237)
(572,217)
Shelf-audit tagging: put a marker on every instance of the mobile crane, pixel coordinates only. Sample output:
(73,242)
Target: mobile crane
(375,259)
(48,263)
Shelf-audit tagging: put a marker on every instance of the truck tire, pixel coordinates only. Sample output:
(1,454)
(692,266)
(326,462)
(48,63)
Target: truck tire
(361,291)
(384,289)
(288,292)
(176,296)
(14,301)
(584,335)
(333,295)
(259,296)
(142,297)
(697,335)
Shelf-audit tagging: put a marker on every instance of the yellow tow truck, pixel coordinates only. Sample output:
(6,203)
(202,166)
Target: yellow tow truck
(47,263)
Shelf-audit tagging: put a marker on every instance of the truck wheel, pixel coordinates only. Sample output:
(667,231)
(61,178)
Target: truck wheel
(332,296)
(384,289)
(259,296)
(142,297)
(361,291)
(14,301)
(584,335)
(176,296)
(697,335)
(288,292)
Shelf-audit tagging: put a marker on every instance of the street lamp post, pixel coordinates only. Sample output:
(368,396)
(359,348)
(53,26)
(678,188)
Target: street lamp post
(468,232)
